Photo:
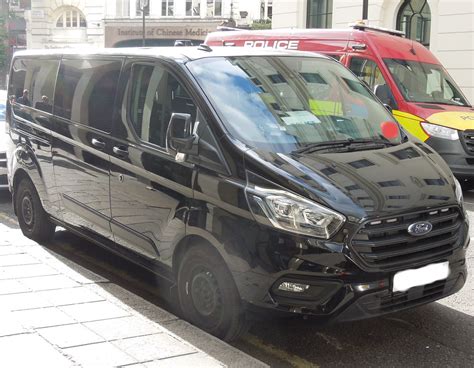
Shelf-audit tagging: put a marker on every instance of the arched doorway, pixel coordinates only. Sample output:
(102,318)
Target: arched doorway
(414,18)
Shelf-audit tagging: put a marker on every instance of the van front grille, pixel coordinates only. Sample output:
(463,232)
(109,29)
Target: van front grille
(385,244)
(467,137)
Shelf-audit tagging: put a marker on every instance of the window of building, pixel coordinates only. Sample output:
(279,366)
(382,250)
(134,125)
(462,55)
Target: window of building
(122,8)
(85,91)
(139,9)
(71,18)
(167,8)
(193,8)
(414,18)
(266,9)
(319,14)
(214,8)
(155,96)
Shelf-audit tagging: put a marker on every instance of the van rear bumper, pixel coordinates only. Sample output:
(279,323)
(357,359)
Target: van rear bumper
(459,161)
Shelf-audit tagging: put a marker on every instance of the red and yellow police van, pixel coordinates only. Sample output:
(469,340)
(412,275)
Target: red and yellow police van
(402,73)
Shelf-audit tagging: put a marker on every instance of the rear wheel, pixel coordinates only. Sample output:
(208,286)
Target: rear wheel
(208,296)
(34,222)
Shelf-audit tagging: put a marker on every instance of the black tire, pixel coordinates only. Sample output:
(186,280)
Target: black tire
(34,221)
(208,296)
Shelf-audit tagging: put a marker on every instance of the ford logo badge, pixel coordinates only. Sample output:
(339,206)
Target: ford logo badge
(420,228)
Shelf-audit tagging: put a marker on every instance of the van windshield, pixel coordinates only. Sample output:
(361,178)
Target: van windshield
(286,103)
(423,82)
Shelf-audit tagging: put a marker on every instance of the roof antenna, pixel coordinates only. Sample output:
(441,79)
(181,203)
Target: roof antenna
(204,47)
(412,50)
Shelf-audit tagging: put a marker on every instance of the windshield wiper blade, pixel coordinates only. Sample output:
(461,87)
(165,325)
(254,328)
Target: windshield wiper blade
(313,147)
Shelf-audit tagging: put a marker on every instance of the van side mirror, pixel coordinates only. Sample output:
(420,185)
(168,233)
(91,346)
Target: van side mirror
(180,139)
(382,91)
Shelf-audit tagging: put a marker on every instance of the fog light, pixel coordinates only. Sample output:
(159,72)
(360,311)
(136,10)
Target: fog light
(293,287)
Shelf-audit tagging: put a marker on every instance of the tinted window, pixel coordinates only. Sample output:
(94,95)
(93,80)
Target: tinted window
(32,82)
(85,92)
(155,95)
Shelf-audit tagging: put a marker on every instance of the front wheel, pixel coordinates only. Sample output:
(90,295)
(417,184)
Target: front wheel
(208,296)
(34,221)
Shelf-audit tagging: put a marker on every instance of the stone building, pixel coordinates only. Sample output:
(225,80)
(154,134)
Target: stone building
(445,26)
(115,23)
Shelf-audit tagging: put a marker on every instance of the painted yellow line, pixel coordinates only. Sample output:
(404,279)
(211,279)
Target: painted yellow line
(293,360)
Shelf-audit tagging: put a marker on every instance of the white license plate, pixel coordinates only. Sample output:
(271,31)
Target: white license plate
(404,280)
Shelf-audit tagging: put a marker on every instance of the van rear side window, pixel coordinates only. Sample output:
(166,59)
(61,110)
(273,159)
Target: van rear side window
(32,82)
(85,92)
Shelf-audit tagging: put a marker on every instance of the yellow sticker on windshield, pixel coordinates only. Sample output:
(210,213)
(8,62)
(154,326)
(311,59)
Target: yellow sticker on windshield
(324,108)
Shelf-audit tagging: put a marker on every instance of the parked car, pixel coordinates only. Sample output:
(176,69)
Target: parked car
(249,179)
(3,156)
(403,74)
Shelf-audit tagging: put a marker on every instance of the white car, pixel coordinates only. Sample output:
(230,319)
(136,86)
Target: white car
(3,156)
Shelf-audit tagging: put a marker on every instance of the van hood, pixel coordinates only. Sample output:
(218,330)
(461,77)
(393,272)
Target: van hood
(363,184)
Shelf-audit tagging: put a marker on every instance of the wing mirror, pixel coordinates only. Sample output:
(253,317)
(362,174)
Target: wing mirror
(180,139)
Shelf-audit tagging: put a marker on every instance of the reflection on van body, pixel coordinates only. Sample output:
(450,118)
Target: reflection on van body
(248,180)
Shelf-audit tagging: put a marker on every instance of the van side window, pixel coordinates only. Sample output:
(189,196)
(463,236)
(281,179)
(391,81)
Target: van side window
(155,95)
(369,73)
(32,83)
(85,92)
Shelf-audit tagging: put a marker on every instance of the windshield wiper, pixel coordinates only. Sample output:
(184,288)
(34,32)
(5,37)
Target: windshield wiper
(343,143)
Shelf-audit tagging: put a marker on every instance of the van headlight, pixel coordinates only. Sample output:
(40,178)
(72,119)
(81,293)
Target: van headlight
(293,213)
(458,190)
(440,131)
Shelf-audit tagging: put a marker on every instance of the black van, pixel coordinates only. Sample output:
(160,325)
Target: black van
(247,178)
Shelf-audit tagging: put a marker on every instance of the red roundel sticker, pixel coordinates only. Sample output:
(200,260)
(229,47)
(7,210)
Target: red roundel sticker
(389,129)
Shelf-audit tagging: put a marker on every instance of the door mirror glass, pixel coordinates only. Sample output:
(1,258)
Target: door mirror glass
(179,136)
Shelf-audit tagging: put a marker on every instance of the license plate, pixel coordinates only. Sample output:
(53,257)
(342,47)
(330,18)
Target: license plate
(404,280)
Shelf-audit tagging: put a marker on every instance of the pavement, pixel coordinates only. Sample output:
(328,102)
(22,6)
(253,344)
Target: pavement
(57,313)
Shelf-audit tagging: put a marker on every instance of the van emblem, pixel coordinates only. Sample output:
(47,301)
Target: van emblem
(420,228)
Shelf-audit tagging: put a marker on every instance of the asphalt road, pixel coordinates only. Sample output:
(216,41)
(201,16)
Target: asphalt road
(435,335)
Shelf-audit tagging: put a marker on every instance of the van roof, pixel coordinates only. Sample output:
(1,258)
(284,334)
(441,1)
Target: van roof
(183,53)
(382,43)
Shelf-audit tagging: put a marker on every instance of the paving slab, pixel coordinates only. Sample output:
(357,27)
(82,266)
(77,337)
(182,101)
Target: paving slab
(70,335)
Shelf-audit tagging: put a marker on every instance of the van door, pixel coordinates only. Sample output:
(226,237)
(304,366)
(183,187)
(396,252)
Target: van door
(83,108)
(150,190)
(369,72)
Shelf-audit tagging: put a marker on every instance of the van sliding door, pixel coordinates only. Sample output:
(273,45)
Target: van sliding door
(83,108)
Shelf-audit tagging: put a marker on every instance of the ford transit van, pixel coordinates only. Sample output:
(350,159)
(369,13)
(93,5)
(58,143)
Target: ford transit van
(248,179)
(403,74)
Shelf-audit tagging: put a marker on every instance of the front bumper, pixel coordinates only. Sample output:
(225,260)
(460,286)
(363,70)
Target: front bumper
(360,296)
(453,152)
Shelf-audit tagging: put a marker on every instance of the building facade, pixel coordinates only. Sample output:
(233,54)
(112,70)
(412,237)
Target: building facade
(115,23)
(65,23)
(445,26)
(168,21)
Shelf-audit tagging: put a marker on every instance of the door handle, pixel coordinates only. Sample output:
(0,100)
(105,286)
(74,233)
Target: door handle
(98,143)
(119,151)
